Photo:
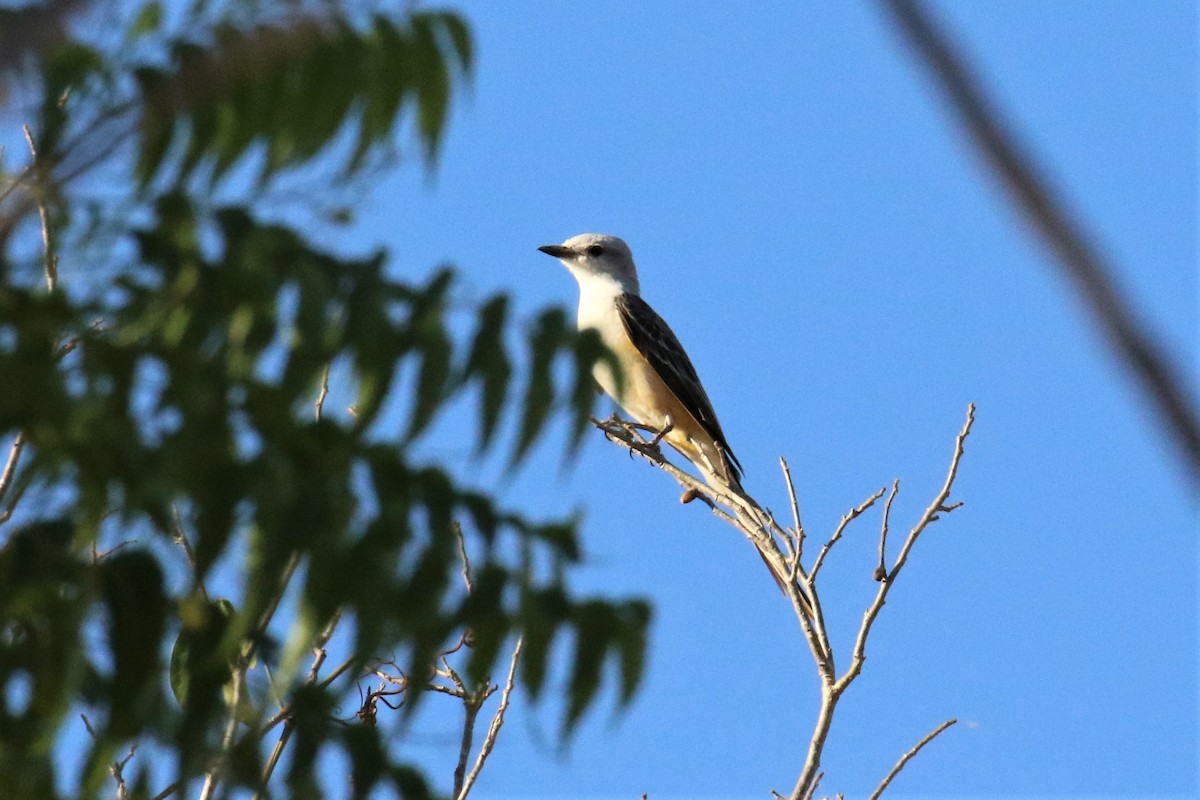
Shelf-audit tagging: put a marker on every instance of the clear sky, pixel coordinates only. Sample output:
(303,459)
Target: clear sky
(847,278)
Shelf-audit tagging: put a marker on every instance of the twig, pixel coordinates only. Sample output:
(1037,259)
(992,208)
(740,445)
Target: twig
(181,539)
(881,570)
(489,740)
(51,260)
(213,775)
(320,405)
(904,759)
(319,655)
(832,691)
(12,502)
(847,518)
(938,505)
(466,560)
(798,549)
(10,466)
(117,770)
(324,683)
(240,669)
(1078,257)
(761,528)
(167,792)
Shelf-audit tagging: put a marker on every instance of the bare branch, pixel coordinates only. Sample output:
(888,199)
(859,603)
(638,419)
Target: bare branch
(489,740)
(904,759)
(167,792)
(849,517)
(885,586)
(117,770)
(1080,260)
(761,528)
(181,539)
(470,713)
(320,405)
(798,530)
(50,259)
(881,570)
(212,777)
(10,466)
(466,560)
(319,655)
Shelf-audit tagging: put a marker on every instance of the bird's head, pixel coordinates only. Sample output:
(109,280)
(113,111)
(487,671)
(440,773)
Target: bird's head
(597,255)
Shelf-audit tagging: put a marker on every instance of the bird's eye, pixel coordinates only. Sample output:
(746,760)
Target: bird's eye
(595,250)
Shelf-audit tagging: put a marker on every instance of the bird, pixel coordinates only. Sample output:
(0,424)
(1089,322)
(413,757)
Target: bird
(659,386)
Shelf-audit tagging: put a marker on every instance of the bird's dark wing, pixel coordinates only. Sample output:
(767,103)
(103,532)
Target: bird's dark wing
(660,347)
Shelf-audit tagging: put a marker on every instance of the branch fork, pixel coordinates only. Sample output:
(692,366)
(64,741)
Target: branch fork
(783,550)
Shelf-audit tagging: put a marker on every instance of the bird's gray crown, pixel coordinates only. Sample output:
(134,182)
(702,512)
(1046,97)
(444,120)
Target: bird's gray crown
(597,254)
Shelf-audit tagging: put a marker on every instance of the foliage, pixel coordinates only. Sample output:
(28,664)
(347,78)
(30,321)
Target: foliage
(166,410)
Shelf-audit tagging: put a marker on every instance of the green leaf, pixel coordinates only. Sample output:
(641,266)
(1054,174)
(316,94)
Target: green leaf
(460,37)
(368,759)
(433,84)
(594,629)
(588,349)
(489,360)
(156,125)
(433,378)
(542,612)
(631,644)
(196,653)
(137,609)
(148,20)
(549,333)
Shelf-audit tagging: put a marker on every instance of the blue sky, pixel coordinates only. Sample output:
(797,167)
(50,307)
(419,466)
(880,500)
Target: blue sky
(847,277)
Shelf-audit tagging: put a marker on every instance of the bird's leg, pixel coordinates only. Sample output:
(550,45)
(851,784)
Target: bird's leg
(668,426)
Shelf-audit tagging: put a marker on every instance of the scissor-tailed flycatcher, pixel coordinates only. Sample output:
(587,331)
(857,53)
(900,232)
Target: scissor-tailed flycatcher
(660,387)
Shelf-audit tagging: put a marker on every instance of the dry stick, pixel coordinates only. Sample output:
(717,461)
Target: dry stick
(285,735)
(319,408)
(739,516)
(904,759)
(319,645)
(50,259)
(814,629)
(881,570)
(285,712)
(167,792)
(489,740)
(847,518)
(936,507)
(51,269)
(210,778)
(1079,259)
(239,675)
(466,560)
(10,466)
(831,693)
(798,549)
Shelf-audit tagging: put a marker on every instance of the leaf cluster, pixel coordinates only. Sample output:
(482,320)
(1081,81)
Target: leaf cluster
(170,428)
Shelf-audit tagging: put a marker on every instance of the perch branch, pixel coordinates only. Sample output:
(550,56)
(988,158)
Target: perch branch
(761,528)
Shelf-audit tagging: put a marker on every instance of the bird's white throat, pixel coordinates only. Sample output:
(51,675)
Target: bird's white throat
(597,292)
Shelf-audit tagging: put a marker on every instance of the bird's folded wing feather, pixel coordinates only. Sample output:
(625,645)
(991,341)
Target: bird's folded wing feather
(659,346)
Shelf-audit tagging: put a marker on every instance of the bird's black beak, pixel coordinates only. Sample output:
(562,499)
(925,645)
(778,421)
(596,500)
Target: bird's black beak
(557,250)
